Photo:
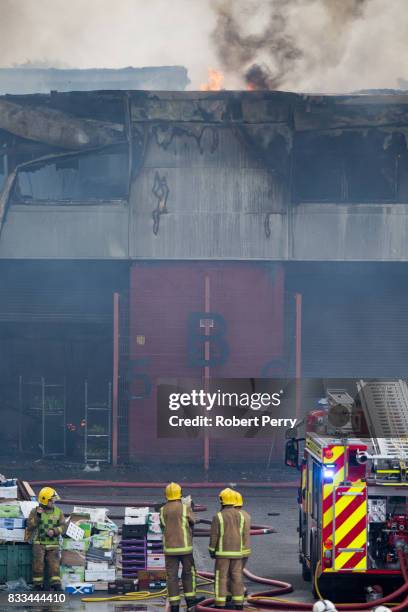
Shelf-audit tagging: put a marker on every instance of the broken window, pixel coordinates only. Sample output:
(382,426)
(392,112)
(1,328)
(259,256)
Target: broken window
(350,167)
(91,177)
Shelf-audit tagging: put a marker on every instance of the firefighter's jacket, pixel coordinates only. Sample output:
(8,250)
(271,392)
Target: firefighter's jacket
(177,520)
(39,524)
(227,534)
(246,544)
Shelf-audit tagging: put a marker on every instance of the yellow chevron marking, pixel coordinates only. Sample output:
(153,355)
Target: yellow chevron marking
(362,565)
(352,520)
(344,557)
(328,517)
(342,503)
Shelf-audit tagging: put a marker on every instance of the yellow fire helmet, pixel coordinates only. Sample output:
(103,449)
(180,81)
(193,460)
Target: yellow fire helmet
(173,491)
(239,502)
(46,494)
(227,497)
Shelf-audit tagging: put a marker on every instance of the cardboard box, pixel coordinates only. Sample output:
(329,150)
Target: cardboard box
(79,545)
(94,514)
(8,492)
(158,537)
(155,528)
(99,554)
(12,535)
(129,511)
(97,565)
(146,578)
(72,574)
(73,558)
(104,575)
(135,520)
(104,541)
(155,562)
(12,523)
(107,526)
(100,586)
(79,588)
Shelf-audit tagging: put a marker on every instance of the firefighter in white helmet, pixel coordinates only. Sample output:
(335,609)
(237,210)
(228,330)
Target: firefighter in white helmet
(45,525)
(324,605)
(381,609)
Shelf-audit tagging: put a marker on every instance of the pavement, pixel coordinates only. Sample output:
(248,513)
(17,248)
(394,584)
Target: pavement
(273,556)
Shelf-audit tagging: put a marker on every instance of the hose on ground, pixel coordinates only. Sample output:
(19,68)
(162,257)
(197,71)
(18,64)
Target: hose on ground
(161,485)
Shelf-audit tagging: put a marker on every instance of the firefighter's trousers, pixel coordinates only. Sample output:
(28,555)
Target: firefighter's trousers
(228,574)
(188,577)
(46,556)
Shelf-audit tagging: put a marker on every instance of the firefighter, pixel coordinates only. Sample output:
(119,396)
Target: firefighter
(45,525)
(226,544)
(177,520)
(239,502)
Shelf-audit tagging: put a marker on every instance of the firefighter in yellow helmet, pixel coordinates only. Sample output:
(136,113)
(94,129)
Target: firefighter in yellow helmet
(45,525)
(177,521)
(226,547)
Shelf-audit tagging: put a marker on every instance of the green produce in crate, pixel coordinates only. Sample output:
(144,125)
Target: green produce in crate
(9,511)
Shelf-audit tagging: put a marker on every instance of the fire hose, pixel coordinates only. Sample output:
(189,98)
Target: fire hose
(269,599)
(263,599)
(160,485)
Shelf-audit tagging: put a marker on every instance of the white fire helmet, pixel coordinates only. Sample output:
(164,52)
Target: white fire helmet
(381,609)
(324,605)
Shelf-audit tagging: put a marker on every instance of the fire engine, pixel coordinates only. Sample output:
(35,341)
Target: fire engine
(353,494)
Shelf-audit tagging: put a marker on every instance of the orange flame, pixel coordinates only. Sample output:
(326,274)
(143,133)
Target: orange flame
(215,81)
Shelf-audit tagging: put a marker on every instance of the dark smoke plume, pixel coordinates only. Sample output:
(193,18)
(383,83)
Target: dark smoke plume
(266,60)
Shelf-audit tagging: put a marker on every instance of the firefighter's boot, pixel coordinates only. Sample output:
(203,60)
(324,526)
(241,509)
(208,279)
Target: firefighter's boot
(56,586)
(175,608)
(38,587)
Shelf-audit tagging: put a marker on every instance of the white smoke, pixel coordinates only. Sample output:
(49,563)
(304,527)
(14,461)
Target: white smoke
(313,45)
(333,45)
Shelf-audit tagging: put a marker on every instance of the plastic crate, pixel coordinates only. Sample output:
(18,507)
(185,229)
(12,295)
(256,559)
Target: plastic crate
(15,562)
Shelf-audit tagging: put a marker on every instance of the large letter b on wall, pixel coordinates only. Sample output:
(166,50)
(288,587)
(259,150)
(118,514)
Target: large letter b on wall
(207,327)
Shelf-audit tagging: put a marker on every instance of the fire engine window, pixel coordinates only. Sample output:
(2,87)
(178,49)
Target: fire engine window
(316,493)
(97,176)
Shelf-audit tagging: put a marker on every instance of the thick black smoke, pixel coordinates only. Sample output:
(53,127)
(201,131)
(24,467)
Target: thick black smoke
(266,59)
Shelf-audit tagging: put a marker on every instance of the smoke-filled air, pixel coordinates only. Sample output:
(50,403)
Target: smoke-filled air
(298,45)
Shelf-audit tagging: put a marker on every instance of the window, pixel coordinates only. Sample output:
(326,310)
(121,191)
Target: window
(348,166)
(89,177)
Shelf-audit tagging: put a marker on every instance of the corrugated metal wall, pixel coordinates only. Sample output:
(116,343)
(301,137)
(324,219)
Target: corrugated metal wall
(249,298)
(355,319)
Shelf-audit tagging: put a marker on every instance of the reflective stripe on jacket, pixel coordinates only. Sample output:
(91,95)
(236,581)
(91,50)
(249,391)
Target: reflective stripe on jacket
(227,533)
(39,524)
(177,520)
(246,536)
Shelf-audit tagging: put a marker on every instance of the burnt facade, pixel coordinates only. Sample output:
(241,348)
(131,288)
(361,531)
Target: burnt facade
(225,203)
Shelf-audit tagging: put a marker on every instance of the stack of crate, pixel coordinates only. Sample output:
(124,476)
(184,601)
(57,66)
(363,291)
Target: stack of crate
(142,542)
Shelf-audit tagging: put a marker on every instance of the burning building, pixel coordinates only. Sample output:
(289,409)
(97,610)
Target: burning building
(134,225)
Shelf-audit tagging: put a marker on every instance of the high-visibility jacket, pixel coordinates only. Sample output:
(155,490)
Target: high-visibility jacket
(246,536)
(177,520)
(227,533)
(39,524)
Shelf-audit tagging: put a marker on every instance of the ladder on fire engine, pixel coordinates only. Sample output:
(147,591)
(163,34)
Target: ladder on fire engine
(385,406)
